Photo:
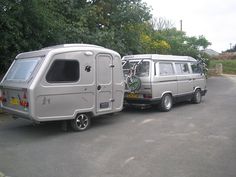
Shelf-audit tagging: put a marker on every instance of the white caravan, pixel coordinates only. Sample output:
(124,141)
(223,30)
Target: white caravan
(66,82)
(153,79)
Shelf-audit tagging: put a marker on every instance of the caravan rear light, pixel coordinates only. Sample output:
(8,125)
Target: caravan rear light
(24,102)
(2,97)
(147,96)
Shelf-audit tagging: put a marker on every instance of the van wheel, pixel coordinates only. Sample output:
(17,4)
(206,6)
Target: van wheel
(197,97)
(166,103)
(81,122)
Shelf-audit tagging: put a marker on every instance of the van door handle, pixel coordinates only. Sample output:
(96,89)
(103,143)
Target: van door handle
(99,87)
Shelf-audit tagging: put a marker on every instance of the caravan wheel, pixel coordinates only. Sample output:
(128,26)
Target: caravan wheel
(81,122)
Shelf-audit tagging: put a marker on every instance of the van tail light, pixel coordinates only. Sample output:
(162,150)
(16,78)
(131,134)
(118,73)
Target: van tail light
(147,96)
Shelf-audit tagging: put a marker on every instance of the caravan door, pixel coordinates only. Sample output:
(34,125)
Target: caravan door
(104,83)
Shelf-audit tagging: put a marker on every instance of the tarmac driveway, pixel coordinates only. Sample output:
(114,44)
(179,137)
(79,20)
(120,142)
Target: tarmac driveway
(190,141)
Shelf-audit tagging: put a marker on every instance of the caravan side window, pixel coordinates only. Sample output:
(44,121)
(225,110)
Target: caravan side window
(63,71)
(182,68)
(166,69)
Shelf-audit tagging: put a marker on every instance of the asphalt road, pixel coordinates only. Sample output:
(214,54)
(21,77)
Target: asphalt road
(190,141)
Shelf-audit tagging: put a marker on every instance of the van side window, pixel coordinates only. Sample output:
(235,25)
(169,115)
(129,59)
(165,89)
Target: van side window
(196,68)
(63,71)
(182,68)
(166,69)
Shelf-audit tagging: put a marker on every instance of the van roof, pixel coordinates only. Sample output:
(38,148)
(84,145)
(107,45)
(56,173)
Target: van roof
(159,57)
(62,47)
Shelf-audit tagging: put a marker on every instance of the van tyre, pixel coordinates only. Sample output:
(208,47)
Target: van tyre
(166,103)
(197,97)
(81,122)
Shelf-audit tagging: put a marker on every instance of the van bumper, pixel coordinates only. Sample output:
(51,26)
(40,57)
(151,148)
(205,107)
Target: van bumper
(141,102)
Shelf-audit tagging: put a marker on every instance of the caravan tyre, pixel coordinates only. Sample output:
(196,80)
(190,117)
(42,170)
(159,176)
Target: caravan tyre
(81,122)
(166,103)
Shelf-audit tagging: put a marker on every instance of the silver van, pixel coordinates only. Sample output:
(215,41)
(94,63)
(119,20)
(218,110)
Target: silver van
(153,79)
(66,82)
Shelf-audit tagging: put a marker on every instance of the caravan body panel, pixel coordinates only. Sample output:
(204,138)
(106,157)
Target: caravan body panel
(61,81)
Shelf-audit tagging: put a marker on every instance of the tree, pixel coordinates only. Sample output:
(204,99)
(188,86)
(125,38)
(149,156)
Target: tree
(29,25)
(117,24)
(180,44)
(123,26)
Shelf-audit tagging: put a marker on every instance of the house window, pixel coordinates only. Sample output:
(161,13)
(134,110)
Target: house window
(166,69)
(63,71)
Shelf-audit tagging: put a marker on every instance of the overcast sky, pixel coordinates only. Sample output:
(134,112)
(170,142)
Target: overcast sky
(214,19)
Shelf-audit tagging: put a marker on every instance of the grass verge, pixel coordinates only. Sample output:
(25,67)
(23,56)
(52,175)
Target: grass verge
(229,66)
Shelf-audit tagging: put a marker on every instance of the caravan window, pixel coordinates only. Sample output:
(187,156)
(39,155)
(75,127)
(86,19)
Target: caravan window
(22,69)
(63,71)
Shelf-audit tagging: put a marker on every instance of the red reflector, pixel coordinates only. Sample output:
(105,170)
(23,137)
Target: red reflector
(2,97)
(24,103)
(148,96)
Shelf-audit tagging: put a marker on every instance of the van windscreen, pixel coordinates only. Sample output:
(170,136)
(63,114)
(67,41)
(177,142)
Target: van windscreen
(22,69)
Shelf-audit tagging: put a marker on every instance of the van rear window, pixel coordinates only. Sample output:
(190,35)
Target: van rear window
(22,69)
(142,68)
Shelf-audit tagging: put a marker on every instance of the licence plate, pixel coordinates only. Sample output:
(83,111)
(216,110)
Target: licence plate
(14,101)
(132,95)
